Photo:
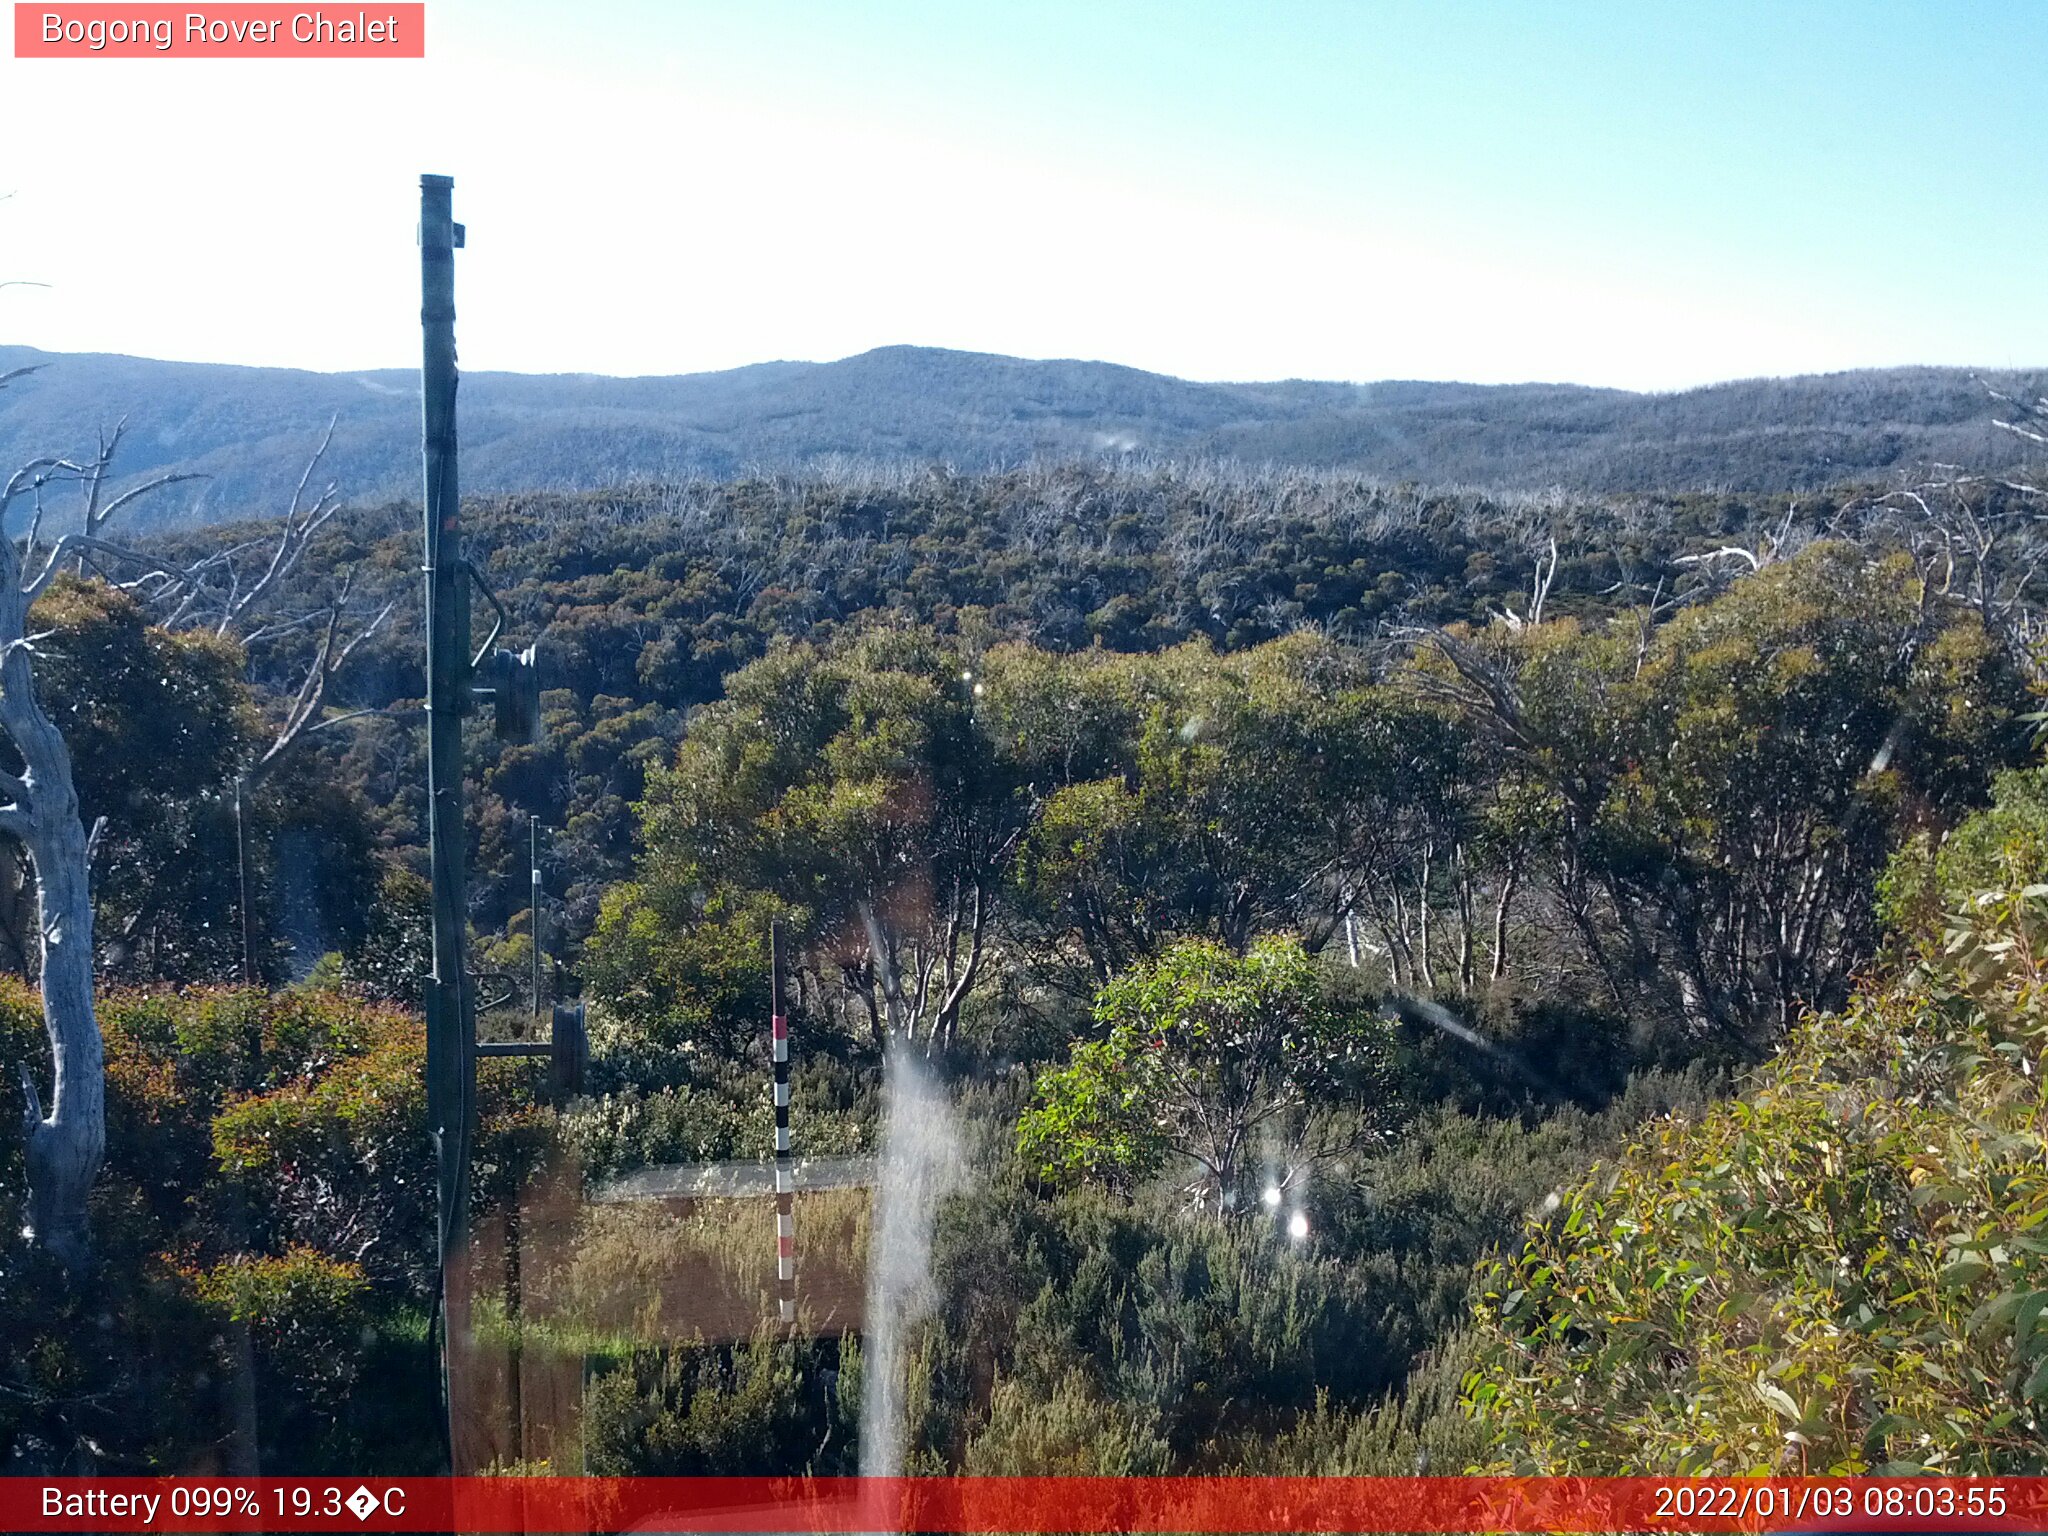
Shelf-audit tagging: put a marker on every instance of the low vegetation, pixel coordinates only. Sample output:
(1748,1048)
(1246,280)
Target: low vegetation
(1413,994)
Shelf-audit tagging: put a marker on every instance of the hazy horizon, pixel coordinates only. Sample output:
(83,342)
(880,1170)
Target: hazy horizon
(1487,193)
(1104,362)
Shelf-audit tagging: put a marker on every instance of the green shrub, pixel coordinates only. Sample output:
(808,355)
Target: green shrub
(1845,1270)
(306,1311)
(1070,1433)
(1217,1059)
(340,1162)
(1420,1430)
(2003,845)
(760,1406)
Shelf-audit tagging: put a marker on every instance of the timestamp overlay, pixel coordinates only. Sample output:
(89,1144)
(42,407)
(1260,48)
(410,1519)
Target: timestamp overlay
(1019,1504)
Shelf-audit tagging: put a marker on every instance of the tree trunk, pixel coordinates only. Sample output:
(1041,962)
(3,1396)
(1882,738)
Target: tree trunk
(1393,926)
(1499,965)
(1425,967)
(1465,924)
(881,958)
(65,1146)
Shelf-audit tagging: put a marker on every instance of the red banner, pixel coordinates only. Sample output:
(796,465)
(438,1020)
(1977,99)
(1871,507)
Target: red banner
(1024,1504)
(219,32)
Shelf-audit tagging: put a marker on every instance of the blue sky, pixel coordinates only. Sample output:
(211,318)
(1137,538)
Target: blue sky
(1647,195)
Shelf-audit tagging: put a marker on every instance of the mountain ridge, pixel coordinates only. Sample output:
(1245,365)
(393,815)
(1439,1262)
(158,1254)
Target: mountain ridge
(249,430)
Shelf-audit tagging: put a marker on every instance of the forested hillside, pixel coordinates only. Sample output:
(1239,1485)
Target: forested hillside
(1283,885)
(646,599)
(248,430)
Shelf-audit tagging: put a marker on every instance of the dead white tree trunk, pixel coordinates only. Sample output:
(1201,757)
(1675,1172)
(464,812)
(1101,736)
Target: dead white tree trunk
(65,1143)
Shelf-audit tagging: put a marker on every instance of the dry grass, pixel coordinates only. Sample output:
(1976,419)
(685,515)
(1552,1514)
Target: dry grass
(624,1275)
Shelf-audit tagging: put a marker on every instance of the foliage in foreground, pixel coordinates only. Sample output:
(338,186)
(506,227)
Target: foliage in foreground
(265,1241)
(1602,829)
(1846,1270)
(1083,1330)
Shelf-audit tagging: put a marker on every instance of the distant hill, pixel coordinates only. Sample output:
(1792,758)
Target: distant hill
(250,429)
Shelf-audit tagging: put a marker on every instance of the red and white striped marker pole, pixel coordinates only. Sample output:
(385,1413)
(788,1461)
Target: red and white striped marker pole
(785,1180)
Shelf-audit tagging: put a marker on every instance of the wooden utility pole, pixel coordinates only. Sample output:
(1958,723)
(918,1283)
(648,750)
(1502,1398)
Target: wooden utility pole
(511,681)
(450,1001)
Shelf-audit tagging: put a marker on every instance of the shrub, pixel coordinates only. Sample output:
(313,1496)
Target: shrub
(306,1311)
(760,1406)
(1843,1271)
(1216,1058)
(1073,1432)
(340,1162)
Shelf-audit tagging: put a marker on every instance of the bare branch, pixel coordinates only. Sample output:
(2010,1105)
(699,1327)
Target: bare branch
(96,478)
(35,527)
(302,717)
(33,475)
(2031,420)
(78,544)
(344,719)
(1539,591)
(1727,551)
(301,523)
(157,484)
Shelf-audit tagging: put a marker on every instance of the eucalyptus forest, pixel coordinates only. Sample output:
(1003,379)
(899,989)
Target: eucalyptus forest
(1405,979)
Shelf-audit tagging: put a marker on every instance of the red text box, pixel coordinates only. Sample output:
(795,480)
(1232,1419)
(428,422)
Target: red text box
(58,31)
(1052,1506)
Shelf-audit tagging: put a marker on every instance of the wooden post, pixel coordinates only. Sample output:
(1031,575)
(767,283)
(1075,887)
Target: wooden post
(785,1179)
(451,1032)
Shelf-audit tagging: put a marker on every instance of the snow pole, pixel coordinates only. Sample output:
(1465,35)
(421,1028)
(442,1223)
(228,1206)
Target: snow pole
(785,1177)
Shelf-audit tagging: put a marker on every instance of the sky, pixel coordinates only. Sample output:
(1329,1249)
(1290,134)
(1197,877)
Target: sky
(1644,195)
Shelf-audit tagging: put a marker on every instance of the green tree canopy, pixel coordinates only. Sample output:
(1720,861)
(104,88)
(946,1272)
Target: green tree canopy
(1730,784)
(855,789)
(1240,1063)
(157,724)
